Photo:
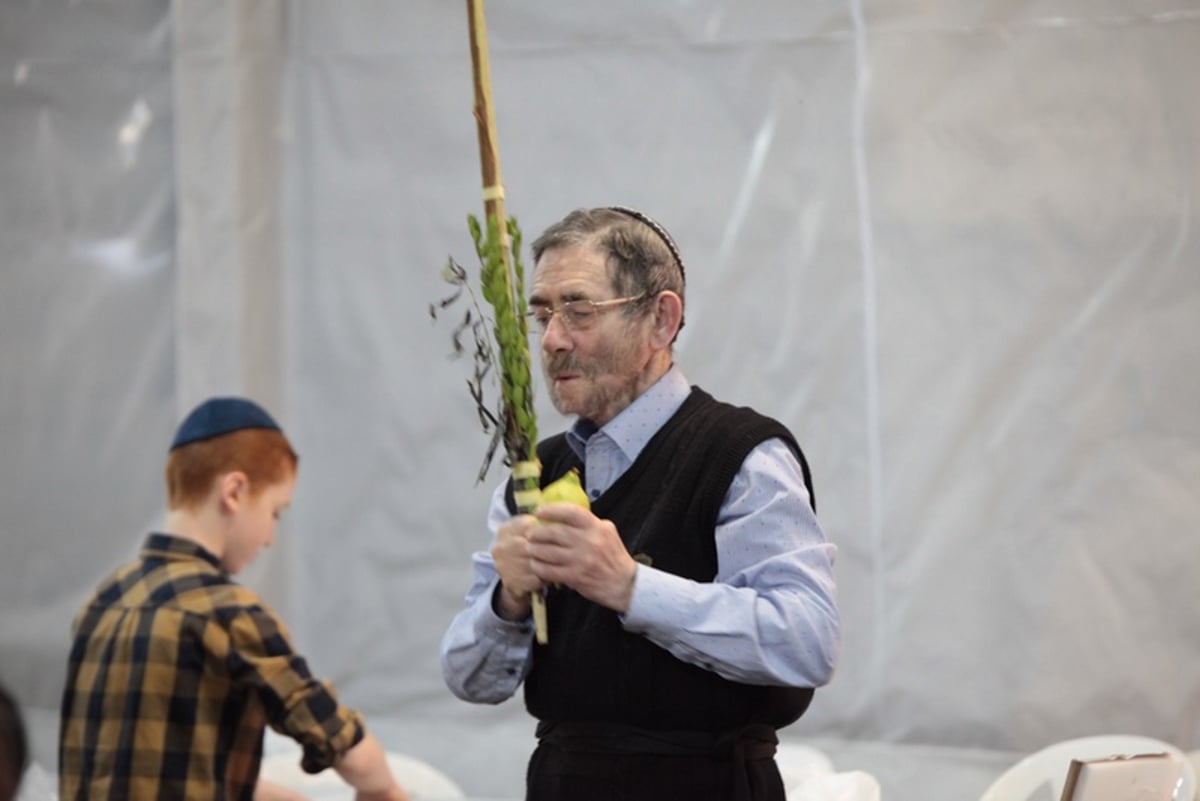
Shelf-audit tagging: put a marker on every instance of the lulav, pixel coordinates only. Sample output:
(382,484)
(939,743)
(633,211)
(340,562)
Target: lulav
(511,331)
(503,284)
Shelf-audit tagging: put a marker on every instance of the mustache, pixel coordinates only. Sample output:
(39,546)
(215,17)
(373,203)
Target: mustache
(564,363)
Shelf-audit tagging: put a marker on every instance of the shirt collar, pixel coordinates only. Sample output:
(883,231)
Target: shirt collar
(169,546)
(633,427)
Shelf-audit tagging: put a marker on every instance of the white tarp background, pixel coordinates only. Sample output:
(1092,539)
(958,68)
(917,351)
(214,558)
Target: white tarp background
(953,246)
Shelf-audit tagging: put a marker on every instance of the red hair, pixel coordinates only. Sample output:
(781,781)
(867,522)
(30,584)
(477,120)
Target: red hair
(265,456)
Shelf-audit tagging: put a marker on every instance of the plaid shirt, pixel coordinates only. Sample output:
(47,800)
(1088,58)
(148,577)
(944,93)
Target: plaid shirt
(174,673)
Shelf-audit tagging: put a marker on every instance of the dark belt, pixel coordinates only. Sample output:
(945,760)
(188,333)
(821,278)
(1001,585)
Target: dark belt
(752,742)
(756,741)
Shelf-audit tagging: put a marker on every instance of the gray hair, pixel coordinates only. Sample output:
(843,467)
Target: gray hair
(641,256)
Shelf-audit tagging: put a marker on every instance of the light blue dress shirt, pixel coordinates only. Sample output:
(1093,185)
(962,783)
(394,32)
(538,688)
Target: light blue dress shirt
(768,617)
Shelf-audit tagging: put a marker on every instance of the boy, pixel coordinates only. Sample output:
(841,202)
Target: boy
(176,670)
(14,750)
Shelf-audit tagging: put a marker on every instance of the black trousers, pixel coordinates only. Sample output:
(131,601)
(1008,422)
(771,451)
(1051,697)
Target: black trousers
(572,765)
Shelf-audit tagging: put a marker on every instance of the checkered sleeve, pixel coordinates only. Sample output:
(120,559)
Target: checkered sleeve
(296,704)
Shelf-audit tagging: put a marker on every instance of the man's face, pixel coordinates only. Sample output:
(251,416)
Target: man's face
(596,372)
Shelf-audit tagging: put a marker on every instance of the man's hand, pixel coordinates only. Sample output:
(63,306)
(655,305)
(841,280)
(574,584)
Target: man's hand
(517,579)
(570,545)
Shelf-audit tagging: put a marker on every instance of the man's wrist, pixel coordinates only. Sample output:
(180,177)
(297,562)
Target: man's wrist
(508,606)
(626,598)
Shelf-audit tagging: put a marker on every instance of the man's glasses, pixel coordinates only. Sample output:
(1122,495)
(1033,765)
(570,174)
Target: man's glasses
(577,315)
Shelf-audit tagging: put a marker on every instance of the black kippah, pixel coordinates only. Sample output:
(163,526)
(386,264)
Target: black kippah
(217,416)
(658,229)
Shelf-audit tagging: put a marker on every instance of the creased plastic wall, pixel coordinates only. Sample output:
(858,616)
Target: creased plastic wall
(953,247)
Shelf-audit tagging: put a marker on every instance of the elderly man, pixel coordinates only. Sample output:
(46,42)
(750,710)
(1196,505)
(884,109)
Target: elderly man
(692,608)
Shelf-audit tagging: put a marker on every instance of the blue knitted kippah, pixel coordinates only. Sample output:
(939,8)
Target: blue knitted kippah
(217,416)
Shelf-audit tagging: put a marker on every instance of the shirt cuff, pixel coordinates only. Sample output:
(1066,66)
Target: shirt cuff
(319,755)
(651,588)
(490,626)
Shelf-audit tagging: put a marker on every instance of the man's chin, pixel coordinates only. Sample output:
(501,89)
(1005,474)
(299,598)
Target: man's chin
(560,404)
(564,403)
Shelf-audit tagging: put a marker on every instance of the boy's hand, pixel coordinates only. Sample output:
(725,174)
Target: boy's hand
(365,768)
(270,791)
(394,793)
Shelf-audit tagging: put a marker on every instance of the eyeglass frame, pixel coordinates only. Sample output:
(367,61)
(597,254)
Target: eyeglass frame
(540,326)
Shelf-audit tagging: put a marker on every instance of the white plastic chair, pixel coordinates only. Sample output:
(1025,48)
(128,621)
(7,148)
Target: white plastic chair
(1041,776)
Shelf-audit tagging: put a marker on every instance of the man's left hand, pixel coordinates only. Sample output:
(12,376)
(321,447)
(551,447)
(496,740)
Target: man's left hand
(574,547)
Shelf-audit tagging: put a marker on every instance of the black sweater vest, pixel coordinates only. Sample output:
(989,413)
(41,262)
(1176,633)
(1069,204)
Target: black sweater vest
(665,507)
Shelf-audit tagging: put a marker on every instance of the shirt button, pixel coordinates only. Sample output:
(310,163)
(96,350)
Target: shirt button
(595,493)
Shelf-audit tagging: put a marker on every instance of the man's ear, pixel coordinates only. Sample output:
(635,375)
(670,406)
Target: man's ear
(233,488)
(668,314)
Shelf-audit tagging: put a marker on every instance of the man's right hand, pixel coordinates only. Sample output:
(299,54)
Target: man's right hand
(510,553)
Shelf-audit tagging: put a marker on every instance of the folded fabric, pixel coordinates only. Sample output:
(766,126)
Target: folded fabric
(808,775)
(853,785)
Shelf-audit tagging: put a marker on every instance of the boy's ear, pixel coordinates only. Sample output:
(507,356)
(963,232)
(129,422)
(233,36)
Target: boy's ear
(232,489)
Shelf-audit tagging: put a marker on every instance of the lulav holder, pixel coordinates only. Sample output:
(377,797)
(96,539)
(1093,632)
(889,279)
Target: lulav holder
(526,476)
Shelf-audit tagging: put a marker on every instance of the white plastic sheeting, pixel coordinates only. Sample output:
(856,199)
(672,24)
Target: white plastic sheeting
(953,246)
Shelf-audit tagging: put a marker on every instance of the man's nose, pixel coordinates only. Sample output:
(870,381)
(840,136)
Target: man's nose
(556,336)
